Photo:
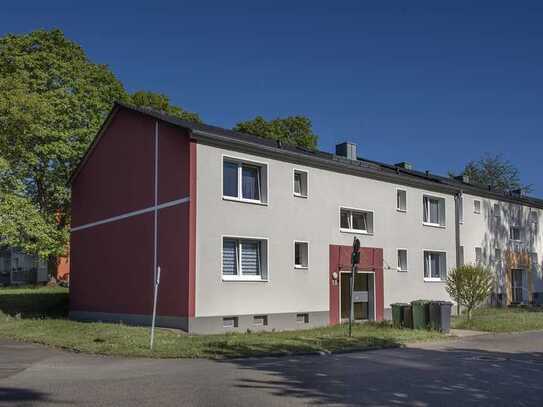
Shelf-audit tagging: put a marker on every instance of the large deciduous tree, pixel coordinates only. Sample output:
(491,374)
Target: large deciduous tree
(294,130)
(161,102)
(496,172)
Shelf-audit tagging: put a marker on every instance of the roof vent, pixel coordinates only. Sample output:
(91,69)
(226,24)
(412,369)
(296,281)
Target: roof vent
(464,178)
(516,192)
(404,165)
(347,150)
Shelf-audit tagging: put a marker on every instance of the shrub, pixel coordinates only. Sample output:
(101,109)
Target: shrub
(470,285)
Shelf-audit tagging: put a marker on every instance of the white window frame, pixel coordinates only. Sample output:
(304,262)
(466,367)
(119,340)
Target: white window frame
(479,261)
(299,266)
(437,198)
(398,208)
(357,231)
(433,279)
(406,259)
(519,233)
(475,210)
(264,262)
(301,195)
(264,186)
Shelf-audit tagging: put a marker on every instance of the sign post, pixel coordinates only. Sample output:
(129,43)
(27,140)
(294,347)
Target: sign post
(157,283)
(355,260)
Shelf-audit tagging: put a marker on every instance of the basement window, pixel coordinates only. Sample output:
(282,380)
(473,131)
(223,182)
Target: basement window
(302,318)
(230,322)
(260,320)
(478,256)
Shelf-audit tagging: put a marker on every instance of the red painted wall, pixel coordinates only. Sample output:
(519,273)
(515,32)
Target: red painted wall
(118,175)
(371,259)
(112,264)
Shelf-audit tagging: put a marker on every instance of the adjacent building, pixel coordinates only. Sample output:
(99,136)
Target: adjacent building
(252,234)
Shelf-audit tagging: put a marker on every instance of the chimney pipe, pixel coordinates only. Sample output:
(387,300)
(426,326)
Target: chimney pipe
(347,150)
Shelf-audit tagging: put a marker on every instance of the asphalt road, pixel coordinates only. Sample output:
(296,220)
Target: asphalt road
(494,370)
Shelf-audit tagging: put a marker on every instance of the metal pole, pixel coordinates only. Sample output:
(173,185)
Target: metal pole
(351,309)
(157,282)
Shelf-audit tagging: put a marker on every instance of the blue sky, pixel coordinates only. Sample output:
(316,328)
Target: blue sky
(406,80)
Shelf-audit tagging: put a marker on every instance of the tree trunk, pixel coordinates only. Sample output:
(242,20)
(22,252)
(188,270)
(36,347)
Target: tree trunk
(52,266)
(469,313)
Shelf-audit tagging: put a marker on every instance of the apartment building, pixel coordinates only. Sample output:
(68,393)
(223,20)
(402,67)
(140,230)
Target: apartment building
(252,234)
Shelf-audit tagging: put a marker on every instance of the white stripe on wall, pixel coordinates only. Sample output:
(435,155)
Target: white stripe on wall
(131,214)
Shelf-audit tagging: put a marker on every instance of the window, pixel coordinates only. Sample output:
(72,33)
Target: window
(244,259)
(461,210)
(496,210)
(300,183)
(534,217)
(302,318)
(514,233)
(260,320)
(497,256)
(402,260)
(243,181)
(401,200)
(476,206)
(301,255)
(352,220)
(435,266)
(433,211)
(534,262)
(230,322)
(478,256)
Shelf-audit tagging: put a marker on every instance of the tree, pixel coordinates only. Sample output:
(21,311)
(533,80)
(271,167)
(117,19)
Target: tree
(161,102)
(469,286)
(496,172)
(52,102)
(294,130)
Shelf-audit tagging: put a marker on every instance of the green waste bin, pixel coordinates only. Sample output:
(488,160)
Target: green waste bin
(440,316)
(407,316)
(421,314)
(397,314)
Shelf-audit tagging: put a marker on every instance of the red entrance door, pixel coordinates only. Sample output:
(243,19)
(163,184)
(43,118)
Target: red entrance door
(340,260)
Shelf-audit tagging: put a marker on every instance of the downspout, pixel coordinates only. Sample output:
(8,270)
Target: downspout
(457,203)
(155,226)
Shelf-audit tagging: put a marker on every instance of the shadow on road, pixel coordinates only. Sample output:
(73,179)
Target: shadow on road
(403,377)
(17,396)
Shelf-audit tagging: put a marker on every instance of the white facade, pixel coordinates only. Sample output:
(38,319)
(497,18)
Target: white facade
(285,218)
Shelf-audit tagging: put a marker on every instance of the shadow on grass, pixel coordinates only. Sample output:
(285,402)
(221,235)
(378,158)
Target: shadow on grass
(35,304)
(400,377)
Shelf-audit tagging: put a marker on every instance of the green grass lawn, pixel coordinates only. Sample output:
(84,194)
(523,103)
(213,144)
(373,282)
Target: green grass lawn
(22,317)
(502,320)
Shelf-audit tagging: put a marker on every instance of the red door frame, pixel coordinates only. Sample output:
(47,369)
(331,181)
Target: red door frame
(371,259)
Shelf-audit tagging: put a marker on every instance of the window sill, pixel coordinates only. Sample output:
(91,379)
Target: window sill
(301,267)
(401,271)
(357,232)
(433,280)
(401,210)
(249,201)
(300,196)
(434,225)
(244,279)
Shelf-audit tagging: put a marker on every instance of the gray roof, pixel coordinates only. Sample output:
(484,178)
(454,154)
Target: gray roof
(362,166)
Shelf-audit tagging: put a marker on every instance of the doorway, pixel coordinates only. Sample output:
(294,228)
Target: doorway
(364,310)
(517,285)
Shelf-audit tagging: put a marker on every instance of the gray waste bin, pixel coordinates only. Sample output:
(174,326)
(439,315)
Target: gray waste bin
(440,316)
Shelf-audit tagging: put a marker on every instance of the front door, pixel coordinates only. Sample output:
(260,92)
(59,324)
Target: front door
(517,286)
(363,310)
